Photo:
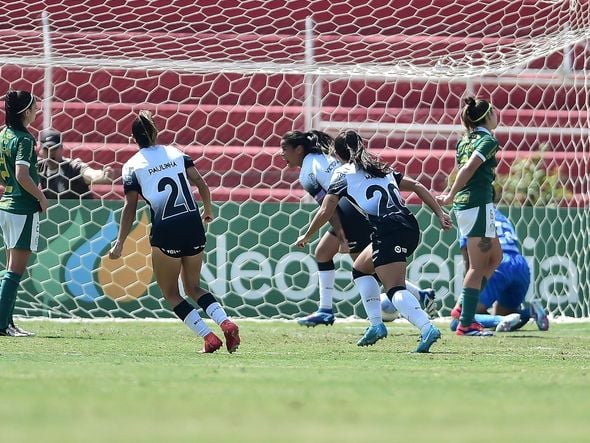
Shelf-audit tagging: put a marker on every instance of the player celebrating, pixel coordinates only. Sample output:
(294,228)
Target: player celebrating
(162,175)
(21,202)
(373,188)
(472,198)
(350,230)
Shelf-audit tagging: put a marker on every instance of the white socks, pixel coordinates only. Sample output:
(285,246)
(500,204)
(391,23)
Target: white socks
(410,309)
(216,313)
(326,280)
(370,295)
(194,321)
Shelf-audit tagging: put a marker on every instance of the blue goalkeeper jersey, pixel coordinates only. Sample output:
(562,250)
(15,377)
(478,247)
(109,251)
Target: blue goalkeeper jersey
(506,234)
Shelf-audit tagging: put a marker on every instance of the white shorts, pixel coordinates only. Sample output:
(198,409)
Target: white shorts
(477,222)
(20,231)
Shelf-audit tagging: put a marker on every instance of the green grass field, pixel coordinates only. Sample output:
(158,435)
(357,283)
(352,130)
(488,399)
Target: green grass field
(145,382)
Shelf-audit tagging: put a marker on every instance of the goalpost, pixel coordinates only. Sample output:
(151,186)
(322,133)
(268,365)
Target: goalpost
(226,79)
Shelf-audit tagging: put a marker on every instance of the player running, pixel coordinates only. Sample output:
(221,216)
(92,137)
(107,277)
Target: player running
(162,175)
(374,188)
(350,230)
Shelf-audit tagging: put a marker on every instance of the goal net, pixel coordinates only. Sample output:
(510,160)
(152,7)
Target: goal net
(226,79)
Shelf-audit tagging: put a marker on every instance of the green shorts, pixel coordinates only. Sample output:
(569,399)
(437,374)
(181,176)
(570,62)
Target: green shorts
(20,231)
(477,222)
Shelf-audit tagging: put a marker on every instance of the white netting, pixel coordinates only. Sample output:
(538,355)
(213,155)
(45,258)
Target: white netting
(227,78)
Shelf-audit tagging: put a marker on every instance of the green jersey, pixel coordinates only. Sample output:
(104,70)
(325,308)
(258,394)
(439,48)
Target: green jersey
(479,189)
(17,148)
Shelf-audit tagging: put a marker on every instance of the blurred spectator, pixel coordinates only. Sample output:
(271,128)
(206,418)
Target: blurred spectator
(62,177)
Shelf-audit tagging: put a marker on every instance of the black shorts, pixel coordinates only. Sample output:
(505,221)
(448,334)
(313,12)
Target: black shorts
(394,242)
(182,236)
(177,253)
(355,225)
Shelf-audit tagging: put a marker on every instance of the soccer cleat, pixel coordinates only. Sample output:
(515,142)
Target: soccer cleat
(232,335)
(508,323)
(538,313)
(428,339)
(20,331)
(211,343)
(317,318)
(456,312)
(473,330)
(10,332)
(372,335)
(428,302)
(454,324)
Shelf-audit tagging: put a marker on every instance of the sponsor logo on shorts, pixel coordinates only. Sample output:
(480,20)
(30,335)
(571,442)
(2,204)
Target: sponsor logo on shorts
(399,249)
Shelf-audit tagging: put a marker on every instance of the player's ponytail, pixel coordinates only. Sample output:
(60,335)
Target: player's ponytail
(313,142)
(349,145)
(320,140)
(15,104)
(475,113)
(144,130)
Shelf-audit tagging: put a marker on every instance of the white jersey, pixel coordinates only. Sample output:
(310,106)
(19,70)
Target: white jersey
(158,173)
(316,174)
(377,197)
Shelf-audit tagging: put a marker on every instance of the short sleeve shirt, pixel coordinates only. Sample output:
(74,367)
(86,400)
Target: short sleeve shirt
(377,197)
(316,174)
(158,174)
(479,189)
(17,148)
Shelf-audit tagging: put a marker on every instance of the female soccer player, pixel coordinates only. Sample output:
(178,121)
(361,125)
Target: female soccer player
(506,290)
(350,229)
(21,202)
(162,175)
(472,198)
(373,188)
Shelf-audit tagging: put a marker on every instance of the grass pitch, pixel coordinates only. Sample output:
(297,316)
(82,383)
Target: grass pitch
(145,382)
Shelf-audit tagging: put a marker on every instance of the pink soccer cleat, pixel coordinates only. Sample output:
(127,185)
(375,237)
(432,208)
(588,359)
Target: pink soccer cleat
(212,343)
(232,335)
(473,330)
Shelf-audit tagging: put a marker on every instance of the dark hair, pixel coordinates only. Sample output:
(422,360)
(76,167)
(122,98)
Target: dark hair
(313,142)
(475,112)
(15,103)
(144,130)
(349,145)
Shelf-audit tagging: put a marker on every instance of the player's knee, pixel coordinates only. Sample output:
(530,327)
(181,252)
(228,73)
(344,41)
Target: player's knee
(324,254)
(356,273)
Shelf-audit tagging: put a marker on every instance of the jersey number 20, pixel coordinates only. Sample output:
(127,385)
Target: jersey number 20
(389,198)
